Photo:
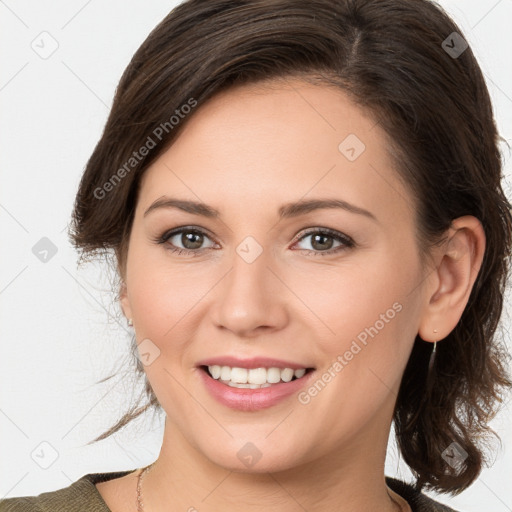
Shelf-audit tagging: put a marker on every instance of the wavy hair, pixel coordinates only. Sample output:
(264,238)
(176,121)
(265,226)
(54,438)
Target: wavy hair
(397,59)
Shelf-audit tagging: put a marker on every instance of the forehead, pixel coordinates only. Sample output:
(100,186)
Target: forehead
(266,144)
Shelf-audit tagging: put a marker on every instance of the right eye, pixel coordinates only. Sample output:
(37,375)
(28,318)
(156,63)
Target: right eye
(190,238)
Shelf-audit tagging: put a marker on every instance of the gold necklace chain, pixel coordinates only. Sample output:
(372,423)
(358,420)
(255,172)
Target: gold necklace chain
(140,505)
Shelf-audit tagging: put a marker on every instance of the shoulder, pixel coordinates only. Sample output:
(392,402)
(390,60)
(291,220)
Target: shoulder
(80,496)
(418,501)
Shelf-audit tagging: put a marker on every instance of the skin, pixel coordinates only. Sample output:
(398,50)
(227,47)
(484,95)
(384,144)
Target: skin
(246,152)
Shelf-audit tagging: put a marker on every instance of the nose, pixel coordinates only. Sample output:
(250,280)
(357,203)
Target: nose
(251,298)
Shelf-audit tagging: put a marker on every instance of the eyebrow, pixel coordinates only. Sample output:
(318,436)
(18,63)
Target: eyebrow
(286,211)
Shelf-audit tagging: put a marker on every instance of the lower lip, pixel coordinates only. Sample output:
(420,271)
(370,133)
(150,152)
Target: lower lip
(245,399)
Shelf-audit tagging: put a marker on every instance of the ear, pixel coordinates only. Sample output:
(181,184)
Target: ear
(125,303)
(449,285)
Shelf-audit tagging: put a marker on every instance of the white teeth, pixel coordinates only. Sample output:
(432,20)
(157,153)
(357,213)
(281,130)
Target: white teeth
(225,373)
(240,375)
(299,373)
(248,386)
(215,371)
(273,375)
(287,374)
(237,385)
(255,377)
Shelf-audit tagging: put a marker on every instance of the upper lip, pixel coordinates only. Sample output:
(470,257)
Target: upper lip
(252,362)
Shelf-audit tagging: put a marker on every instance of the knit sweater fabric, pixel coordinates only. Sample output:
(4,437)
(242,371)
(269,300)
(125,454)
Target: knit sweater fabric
(82,496)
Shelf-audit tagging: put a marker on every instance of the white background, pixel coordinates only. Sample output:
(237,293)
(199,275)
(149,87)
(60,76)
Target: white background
(61,329)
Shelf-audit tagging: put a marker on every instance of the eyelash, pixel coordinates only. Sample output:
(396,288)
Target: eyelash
(340,237)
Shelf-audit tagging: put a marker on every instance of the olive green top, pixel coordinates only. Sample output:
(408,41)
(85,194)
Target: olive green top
(82,496)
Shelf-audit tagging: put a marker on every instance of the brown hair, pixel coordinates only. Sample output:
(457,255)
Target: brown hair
(389,57)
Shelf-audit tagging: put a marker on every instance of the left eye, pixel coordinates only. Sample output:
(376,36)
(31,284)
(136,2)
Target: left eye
(322,241)
(193,239)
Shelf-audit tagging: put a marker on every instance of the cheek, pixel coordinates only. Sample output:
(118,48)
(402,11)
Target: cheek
(363,361)
(360,294)
(371,309)
(164,307)
(161,304)
(167,301)
(157,290)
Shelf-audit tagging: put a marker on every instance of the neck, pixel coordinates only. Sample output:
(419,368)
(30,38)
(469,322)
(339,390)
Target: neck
(349,479)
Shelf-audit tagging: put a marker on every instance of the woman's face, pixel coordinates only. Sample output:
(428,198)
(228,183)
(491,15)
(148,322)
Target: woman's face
(337,291)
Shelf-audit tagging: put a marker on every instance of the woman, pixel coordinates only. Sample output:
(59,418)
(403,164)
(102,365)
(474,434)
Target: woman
(304,204)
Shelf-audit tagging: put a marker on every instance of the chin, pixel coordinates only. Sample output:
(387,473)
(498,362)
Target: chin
(259,457)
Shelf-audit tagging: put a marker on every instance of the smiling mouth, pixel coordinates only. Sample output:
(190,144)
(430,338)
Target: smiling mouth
(254,378)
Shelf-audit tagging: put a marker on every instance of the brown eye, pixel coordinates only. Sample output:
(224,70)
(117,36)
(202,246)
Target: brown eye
(322,241)
(191,240)
(185,240)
